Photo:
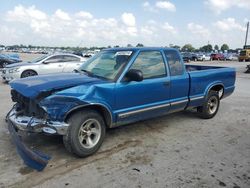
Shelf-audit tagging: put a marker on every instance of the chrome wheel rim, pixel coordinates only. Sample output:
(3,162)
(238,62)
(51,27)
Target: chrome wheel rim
(89,133)
(212,104)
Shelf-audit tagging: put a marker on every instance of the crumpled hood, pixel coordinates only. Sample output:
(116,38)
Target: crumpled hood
(32,86)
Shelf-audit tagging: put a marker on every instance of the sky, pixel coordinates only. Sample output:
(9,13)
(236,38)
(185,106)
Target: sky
(111,22)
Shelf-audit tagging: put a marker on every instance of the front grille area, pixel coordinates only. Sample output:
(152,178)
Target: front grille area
(27,106)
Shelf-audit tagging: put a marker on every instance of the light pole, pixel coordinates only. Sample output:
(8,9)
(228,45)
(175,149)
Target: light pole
(246,34)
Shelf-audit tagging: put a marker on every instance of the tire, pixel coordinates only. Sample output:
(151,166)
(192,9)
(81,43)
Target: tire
(210,106)
(85,134)
(28,73)
(3,64)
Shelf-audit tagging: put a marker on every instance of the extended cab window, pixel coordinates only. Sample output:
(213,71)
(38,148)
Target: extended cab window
(150,63)
(174,61)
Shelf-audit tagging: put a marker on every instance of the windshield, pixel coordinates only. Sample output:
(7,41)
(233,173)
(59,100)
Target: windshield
(38,59)
(106,64)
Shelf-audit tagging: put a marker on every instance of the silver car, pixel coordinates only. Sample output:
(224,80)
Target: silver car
(46,64)
(204,57)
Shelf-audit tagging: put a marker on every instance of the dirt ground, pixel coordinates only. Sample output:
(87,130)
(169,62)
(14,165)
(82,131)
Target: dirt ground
(178,150)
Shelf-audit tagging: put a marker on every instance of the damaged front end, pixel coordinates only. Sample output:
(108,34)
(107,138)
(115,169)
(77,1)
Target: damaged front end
(27,115)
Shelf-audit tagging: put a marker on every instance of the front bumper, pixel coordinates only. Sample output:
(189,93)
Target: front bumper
(6,76)
(33,159)
(32,124)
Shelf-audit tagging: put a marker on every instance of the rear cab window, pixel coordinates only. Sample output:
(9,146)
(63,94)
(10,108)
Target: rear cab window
(150,63)
(174,62)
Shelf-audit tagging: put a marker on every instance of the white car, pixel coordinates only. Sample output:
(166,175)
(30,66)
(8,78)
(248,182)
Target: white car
(203,57)
(47,64)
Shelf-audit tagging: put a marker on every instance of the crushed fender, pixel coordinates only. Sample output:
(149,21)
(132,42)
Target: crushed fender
(33,159)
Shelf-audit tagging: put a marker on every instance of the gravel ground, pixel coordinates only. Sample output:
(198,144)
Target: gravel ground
(178,150)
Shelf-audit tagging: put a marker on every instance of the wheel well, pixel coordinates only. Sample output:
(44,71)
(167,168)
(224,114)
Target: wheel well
(28,70)
(105,113)
(218,88)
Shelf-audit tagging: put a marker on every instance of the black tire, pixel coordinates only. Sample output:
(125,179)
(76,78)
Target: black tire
(3,64)
(76,124)
(208,111)
(28,73)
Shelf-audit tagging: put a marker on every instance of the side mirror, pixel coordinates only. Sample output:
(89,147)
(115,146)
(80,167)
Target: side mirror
(46,62)
(134,75)
(76,71)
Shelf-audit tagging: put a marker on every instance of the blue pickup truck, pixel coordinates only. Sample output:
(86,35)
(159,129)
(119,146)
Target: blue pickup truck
(115,87)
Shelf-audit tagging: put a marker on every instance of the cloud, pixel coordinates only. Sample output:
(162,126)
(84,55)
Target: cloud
(169,28)
(165,5)
(199,30)
(146,4)
(229,24)
(128,19)
(221,5)
(62,26)
(148,7)
(84,14)
(31,25)
(23,14)
(62,15)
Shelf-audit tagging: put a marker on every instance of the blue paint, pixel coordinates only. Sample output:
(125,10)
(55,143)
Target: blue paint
(120,97)
(126,102)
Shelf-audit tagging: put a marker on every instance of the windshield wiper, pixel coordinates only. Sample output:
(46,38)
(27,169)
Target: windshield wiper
(87,72)
(92,74)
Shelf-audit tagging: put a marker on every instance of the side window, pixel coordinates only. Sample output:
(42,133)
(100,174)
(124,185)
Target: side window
(150,63)
(55,59)
(68,58)
(174,61)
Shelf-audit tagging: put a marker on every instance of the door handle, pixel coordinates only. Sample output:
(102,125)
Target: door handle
(59,65)
(167,83)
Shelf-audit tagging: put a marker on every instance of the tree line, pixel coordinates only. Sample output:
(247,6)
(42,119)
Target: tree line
(205,48)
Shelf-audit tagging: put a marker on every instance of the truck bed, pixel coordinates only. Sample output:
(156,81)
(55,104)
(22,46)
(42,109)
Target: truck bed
(191,68)
(204,77)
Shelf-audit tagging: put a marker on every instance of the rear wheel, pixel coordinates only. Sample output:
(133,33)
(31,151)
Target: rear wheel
(211,105)
(28,73)
(85,134)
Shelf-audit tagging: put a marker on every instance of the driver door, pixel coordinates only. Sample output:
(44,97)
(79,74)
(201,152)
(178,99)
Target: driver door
(147,98)
(54,64)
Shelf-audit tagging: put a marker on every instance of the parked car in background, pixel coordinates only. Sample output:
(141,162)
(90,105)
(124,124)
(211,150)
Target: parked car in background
(6,59)
(116,87)
(187,57)
(232,57)
(46,64)
(217,56)
(204,57)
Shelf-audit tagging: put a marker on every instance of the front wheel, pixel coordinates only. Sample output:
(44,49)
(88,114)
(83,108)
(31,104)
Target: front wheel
(28,73)
(85,134)
(210,107)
